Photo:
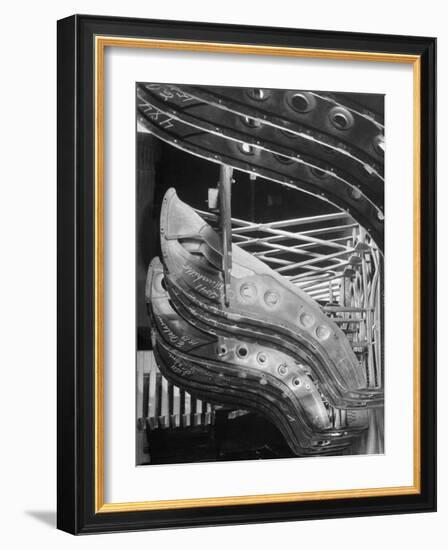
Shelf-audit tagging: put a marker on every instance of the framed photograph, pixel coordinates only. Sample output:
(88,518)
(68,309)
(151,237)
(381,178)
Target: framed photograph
(246,274)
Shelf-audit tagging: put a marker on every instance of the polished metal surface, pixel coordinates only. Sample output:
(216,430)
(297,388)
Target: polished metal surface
(264,345)
(244,372)
(262,303)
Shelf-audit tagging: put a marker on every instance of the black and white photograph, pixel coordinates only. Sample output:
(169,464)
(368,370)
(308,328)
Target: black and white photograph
(260,273)
(219,288)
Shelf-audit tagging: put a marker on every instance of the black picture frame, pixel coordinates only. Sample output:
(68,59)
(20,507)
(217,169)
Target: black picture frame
(76,480)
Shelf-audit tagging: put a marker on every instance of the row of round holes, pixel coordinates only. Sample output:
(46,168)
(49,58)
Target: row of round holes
(262,358)
(248,149)
(249,291)
(303,102)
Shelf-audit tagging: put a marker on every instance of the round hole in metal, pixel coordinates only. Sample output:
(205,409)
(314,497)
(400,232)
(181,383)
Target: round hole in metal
(307,319)
(323,332)
(341,118)
(246,148)
(222,350)
(251,122)
(257,94)
(248,290)
(318,173)
(242,352)
(301,102)
(271,298)
(378,144)
(283,159)
(283,369)
(355,193)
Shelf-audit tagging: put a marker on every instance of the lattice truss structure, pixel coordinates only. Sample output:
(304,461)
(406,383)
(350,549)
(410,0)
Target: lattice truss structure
(332,259)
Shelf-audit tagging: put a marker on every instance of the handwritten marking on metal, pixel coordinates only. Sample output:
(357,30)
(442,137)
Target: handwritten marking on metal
(184,119)
(178,341)
(157,115)
(170,93)
(211,288)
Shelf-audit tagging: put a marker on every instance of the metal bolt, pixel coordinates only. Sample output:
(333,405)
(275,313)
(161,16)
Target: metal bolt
(323,332)
(271,298)
(307,320)
(248,291)
(283,369)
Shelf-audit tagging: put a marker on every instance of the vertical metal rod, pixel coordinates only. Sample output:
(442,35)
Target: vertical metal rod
(176,407)
(225,189)
(152,413)
(140,384)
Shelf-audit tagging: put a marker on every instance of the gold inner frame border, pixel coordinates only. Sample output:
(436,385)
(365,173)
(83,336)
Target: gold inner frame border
(100,44)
